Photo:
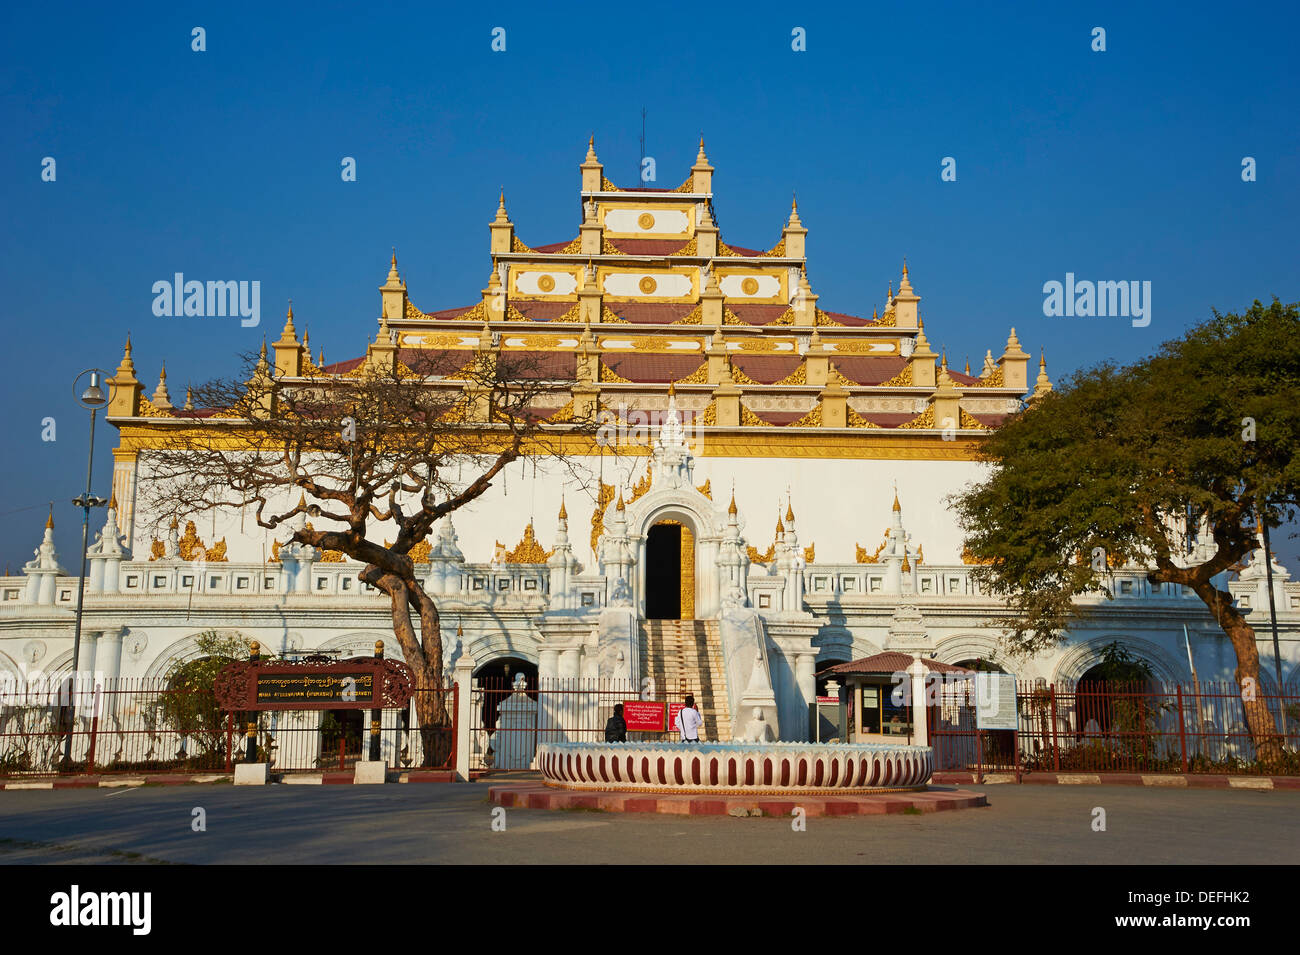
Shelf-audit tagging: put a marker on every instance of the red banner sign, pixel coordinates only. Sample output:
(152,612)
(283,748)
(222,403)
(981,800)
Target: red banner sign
(673,710)
(644,715)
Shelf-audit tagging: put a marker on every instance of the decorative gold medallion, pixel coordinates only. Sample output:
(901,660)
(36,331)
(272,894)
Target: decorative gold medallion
(749,286)
(646,221)
(648,285)
(546,283)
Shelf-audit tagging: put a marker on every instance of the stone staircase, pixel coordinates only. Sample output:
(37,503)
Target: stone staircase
(685,656)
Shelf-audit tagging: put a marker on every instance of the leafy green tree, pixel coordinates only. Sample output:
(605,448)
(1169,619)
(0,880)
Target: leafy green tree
(1125,464)
(190,706)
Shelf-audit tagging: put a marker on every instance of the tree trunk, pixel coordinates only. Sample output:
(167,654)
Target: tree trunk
(1263,730)
(423,656)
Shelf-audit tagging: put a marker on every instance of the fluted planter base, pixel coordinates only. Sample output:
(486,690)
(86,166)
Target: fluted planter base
(735,768)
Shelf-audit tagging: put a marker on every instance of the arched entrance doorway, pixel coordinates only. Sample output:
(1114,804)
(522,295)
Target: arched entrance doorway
(670,571)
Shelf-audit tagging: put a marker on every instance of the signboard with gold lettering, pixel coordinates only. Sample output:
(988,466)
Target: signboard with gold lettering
(360,684)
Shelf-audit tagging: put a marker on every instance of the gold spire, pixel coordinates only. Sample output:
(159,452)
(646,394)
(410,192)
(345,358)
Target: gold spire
(789,511)
(501,208)
(127,368)
(112,501)
(591,150)
(394,277)
(731,508)
(289,334)
(564,515)
(189,398)
(968,364)
(896,505)
(620,501)
(700,158)
(780,528)
(49,521)
(160,396)
(672,390)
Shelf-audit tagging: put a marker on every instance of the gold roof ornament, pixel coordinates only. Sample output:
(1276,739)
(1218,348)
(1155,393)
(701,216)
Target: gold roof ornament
(49,521)
(591,150)
(564,514)
(528,550)
(731,508)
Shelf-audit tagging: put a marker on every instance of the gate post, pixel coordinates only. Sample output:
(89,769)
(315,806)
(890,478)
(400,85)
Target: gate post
(464,677)
(1182,730)
(1056,749)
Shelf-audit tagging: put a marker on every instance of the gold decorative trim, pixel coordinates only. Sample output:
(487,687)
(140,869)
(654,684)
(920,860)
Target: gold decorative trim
(150,410)
(924,420)
(700,376)
(777,251)
(517,246)
(764,558)
(690,248)
(642,486)
(191,547)
(728,251)
(864,558)
(749,285)
(527,551)
(608,248)
(419,553)
(608,316)
(603,500)
(825,321)
(688,185)
(856,420)
(610,375)
(706,488)
(646,221)
(810,553)
(902,380)
(888,320)
(813,419)
(546,283)
(647,285)
(607,186)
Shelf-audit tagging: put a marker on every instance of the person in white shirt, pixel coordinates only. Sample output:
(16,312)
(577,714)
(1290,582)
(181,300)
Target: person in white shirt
(689,721)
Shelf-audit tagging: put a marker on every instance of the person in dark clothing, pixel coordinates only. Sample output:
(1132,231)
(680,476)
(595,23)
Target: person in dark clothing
(616,726)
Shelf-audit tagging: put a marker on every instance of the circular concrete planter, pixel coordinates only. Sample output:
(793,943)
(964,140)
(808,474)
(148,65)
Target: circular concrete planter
(735,768)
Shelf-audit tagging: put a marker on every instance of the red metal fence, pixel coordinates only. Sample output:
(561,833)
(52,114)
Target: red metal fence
(1111,727)
(138,725)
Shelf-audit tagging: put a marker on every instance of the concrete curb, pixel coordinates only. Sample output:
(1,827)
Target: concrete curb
(1190,781)
(539,796)
(288,779)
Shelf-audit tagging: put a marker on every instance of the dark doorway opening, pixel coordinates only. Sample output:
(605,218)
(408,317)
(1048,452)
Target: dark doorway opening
(340,732)
(497,678)
(663,572)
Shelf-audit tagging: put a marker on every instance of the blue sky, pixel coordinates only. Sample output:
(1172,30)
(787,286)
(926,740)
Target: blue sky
(225,165)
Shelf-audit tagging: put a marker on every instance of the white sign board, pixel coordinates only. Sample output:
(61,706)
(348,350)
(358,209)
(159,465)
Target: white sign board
(995,701)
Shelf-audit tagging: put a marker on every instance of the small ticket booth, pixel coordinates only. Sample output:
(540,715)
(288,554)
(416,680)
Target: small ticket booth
(876,692)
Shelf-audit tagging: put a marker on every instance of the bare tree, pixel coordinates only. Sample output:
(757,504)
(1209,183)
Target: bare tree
(388,440)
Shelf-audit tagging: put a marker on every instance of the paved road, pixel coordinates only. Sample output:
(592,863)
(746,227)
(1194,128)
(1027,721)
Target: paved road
(427,823)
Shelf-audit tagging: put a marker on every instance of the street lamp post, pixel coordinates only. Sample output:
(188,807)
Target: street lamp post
(92,397)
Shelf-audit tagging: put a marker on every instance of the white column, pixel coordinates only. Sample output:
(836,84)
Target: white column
(108,654)
(920,734)
(464,676)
